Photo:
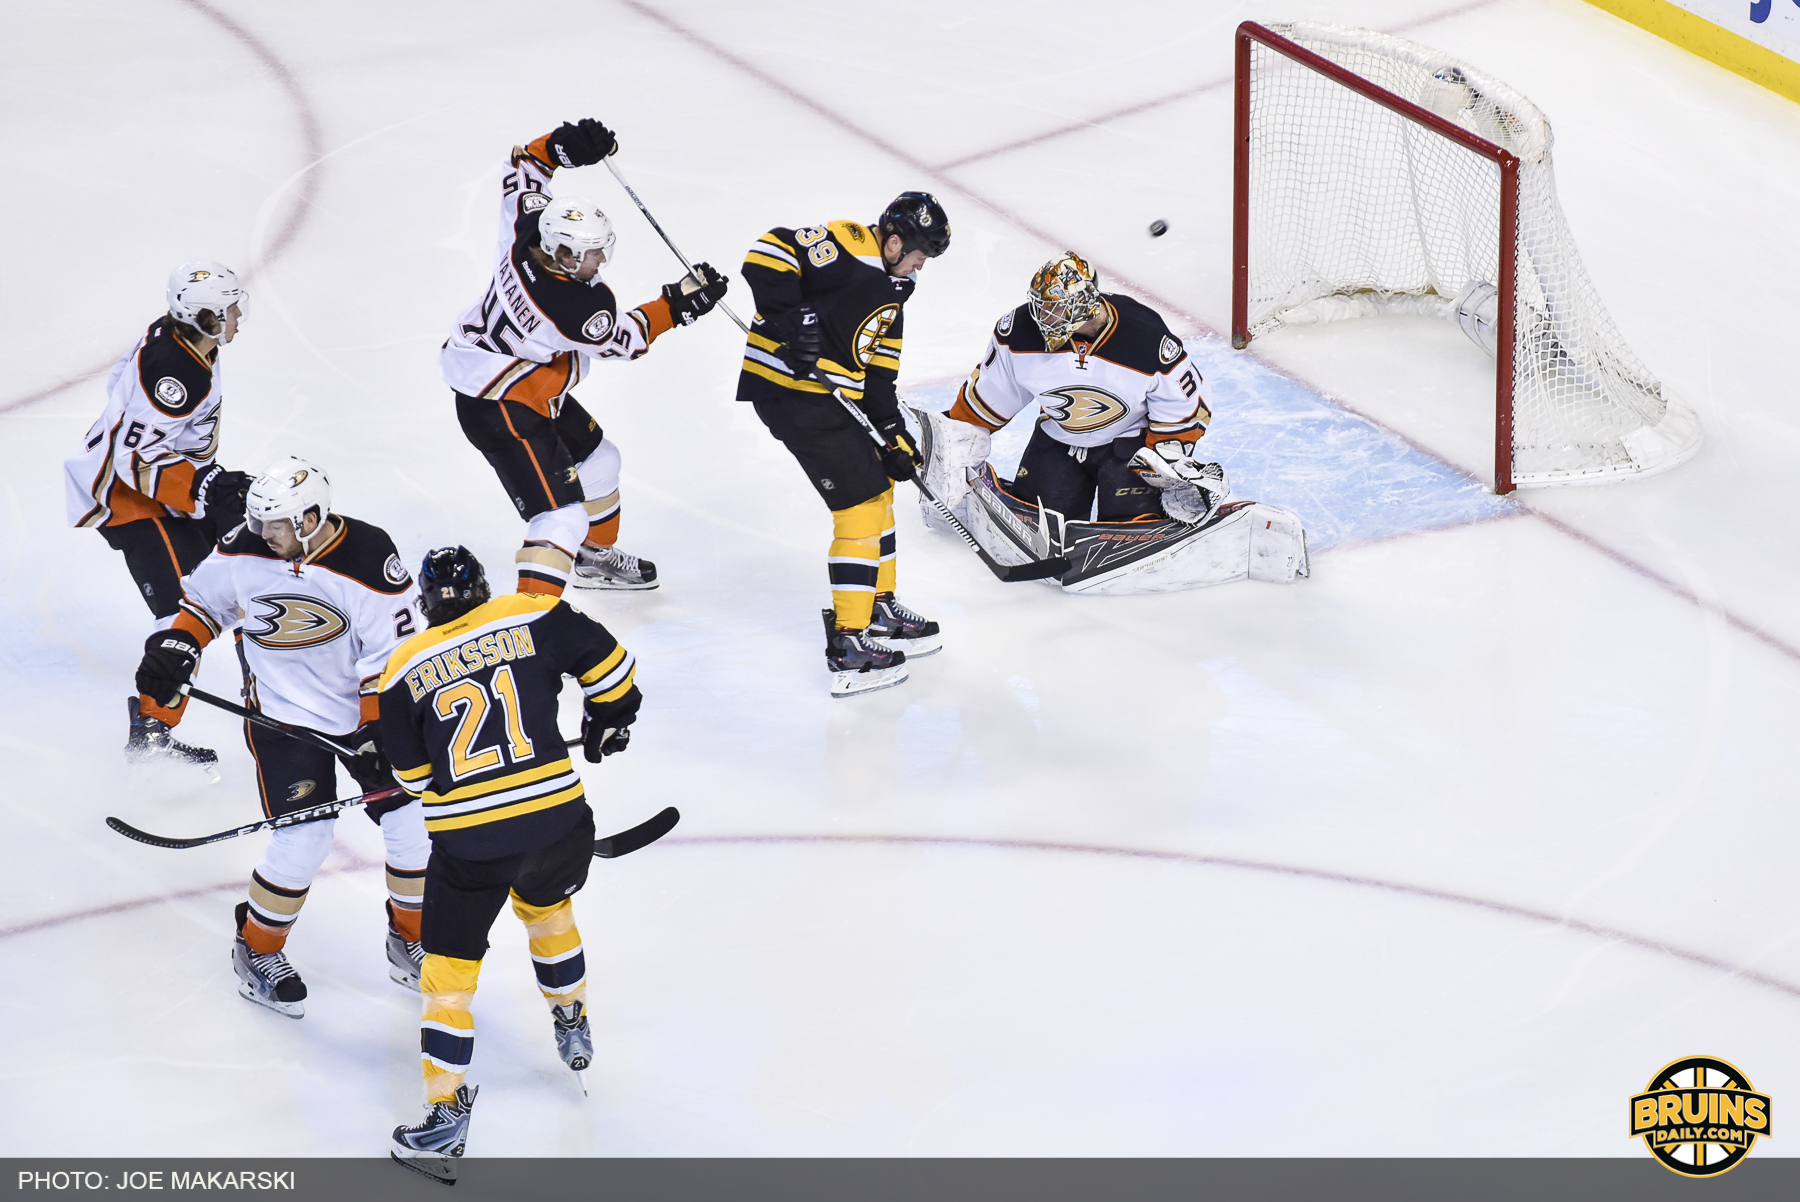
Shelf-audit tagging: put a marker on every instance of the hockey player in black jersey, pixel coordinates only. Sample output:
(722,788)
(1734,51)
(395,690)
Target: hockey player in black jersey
(830,302)
(514,355)
(468,717)
(146,475)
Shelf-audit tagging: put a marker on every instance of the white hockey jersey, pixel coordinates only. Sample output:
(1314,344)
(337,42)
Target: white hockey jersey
(158,433)
(1136,374)
(317,631)
(530,336)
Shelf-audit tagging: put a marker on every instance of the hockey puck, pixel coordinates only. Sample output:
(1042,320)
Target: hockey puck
(1158,228)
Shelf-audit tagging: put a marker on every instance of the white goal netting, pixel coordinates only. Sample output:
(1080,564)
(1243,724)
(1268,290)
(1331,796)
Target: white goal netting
(1355,208)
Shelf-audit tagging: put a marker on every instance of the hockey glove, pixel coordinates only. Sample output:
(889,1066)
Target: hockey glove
(170,657)
(369,767)
(220,495)
(805,342)
(900,461)
(606,725)
(581,144)
(691,299)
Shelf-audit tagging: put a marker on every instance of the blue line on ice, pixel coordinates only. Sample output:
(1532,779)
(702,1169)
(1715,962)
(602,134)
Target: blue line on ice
(1284,444)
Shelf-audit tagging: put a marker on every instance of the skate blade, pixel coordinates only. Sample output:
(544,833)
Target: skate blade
(581,1079)
(850,684)
(290,1009)
(611,586)
(931,644)
(441,1169)
(404,978)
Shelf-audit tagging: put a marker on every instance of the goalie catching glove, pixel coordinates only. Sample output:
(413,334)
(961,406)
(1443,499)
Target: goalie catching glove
(692,298)
(606,725)
(170,657)
(1192,491)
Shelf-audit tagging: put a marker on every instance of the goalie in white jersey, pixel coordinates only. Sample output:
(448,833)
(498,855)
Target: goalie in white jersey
(513,356)
(1122,410)
(323,600)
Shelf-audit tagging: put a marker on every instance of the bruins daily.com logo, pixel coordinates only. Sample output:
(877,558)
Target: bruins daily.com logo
(1700,1116)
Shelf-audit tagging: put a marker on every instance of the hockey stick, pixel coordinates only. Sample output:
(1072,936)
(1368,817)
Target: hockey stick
(263,720)
(641,835)
(632,192)
(329,809)
(1037,569)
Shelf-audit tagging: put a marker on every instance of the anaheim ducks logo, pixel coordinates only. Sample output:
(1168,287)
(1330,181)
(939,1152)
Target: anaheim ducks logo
(1082,408)
(291,623)
(874,326)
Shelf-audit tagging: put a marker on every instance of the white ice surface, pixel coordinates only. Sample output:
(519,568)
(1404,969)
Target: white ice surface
(1582,710)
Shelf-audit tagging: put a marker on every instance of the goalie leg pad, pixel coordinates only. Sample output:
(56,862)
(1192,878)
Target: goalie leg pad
(952,451)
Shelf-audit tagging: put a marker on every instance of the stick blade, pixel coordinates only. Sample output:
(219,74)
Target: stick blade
(641,835)
(132,832)
(1037,569)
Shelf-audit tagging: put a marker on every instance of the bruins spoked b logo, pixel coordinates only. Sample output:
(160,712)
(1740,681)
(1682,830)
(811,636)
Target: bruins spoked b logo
(1700,1116)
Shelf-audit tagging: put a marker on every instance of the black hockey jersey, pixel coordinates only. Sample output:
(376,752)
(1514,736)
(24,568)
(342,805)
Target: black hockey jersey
(468,720)
(837,269)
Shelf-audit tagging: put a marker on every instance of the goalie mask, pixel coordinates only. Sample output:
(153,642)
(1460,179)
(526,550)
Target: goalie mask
(1064,296)
(289,490)
(578,224)
(205,287)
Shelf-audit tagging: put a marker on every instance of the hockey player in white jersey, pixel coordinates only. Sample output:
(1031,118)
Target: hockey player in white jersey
(1111,477)
(513,356)
(146,476)
(323,600)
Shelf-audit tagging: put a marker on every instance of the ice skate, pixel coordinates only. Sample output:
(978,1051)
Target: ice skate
(268,980)
(151,739)
(433,1146)
(574,1042)
(898,628)
(611,568)
(857,663)
(406,960)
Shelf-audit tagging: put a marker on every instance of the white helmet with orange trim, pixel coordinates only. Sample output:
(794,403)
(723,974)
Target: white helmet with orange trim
(287,491)
(204,287)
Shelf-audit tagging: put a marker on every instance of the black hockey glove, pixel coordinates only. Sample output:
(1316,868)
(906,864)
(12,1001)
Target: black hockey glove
(805,342)
(582,143)
(369,768)
(606,726)
(170,657)
(900,461)
(221,495)
(691,299)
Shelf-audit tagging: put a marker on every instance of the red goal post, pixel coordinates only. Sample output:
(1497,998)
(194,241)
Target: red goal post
(1504,160)
(1373,174)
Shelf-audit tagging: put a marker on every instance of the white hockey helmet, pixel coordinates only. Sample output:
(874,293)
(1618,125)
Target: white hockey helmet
(577,223)
(203,286)
(285,491)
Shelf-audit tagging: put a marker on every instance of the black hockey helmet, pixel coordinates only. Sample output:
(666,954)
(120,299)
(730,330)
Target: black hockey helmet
(451,583)
(919,220)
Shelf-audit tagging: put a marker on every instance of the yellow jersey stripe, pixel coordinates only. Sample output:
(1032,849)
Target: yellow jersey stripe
(771,264)
(604,666)
(618,691)
(495,615)
(499,784)
(481,817)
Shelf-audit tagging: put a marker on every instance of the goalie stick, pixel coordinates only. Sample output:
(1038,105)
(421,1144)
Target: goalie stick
(1037,569)
(609,848)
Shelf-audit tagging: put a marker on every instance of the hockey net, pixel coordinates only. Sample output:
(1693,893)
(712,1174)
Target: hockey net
(1374,174)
